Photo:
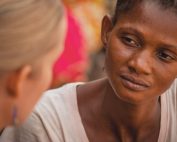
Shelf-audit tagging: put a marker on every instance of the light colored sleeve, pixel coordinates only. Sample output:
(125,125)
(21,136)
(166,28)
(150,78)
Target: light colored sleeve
(175,89)
(43,125)
(32,130)
(173,92)
(171,98)
(175,82)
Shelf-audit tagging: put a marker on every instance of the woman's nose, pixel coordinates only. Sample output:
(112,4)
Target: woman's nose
(140,63)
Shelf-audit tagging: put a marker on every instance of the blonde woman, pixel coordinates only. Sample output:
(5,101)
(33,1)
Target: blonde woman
(31,38)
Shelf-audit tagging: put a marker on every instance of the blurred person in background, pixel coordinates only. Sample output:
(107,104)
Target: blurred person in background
(73,63)
(89,14)
(82,42)
(31,38)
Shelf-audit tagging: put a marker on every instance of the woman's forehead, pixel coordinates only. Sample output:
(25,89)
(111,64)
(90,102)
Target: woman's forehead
(150,18)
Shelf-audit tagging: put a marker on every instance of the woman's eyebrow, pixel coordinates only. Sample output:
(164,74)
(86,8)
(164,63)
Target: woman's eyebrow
(135,31)
(170,46)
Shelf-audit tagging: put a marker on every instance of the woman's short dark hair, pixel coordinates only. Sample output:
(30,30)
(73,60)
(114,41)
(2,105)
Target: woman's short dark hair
(123,6)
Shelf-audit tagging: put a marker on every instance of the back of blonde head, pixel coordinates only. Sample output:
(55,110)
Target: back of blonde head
(26,27)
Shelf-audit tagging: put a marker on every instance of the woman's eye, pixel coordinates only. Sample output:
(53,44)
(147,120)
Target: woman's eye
(165,56)
(130,41)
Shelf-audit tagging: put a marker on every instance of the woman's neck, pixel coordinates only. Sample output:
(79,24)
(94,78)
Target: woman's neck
(102,112)
(129,116)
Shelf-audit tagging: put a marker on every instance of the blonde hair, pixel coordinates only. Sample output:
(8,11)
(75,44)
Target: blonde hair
(26,29)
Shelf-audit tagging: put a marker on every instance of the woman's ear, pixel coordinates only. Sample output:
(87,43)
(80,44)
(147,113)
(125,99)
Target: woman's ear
(106,28)
(17,80)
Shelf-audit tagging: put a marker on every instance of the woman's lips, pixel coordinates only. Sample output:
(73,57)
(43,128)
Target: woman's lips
(134,83)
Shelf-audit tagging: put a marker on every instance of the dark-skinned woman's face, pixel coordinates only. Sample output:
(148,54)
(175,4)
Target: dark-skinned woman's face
(141,52)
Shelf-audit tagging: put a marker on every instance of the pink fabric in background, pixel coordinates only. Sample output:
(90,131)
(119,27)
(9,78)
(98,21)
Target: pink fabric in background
(73,62)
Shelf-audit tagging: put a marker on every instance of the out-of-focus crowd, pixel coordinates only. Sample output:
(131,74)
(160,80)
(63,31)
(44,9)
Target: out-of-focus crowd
(83,56)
